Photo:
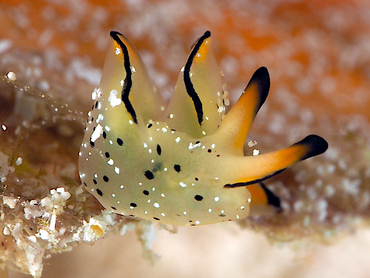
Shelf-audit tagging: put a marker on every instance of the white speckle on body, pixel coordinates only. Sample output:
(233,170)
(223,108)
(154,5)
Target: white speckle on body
(97,132)
(182,184)
(113,99)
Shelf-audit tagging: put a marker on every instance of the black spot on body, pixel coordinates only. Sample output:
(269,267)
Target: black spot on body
(94,181)
(114,208)
(107,155)
(92,144)
(133,205)
(155,218)
(159,149)
(85,184)
(177,168)
(157,167)
(149,175)
(119,141)
(150,125)
(96,104)
(209,150)
(99,192)
(104,135)
(105,178)
(146,192)
(196,179)
(198,197)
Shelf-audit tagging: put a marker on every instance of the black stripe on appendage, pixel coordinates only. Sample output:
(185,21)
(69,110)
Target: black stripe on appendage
(127,84)
(238,184)
(187,80)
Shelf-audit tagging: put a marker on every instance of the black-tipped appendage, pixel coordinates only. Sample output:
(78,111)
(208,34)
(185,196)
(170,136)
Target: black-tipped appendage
(315,144)
(261,78)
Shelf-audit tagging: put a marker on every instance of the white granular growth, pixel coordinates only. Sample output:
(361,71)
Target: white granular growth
(19,161)
(11,76)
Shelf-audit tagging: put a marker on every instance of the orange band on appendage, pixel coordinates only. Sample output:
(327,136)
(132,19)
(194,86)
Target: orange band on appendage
(267,164)
(247,107)
(259,196)
(239,119)
(202,51)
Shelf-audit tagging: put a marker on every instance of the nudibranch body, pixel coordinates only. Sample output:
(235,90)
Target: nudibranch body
(184,164)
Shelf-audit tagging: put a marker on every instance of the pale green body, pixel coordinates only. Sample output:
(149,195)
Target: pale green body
(171,165)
